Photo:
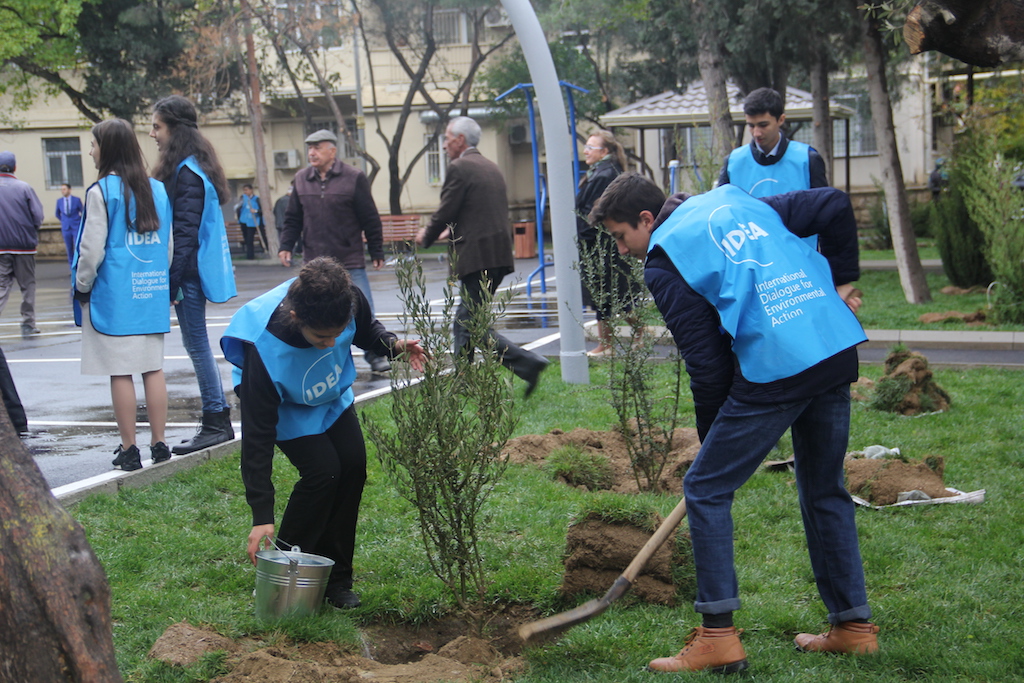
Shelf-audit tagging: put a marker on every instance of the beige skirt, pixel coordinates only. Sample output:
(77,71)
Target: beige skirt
(103,354)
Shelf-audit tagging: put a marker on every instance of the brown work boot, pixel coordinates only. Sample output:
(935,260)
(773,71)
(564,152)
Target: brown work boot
(848,637)
(717,649)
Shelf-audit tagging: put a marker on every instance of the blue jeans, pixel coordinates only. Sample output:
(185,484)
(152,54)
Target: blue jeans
(192,321)
(739,439)
(362,282)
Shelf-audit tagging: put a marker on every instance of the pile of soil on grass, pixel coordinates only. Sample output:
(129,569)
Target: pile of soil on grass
(908,387)
(597,552)
(534,449)
(880,481)
(429,653)
(975,319)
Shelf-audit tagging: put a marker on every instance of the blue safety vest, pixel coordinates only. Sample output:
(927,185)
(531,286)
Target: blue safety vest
(216,274)
(131,294)
(773,293)
(250,206)
(315,385)
(790,173)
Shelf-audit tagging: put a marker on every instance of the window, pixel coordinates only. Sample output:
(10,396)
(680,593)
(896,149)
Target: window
(345,149)
(63,162)
(319,24)
(450,27)
(690,145)
(862,128)
(436,160)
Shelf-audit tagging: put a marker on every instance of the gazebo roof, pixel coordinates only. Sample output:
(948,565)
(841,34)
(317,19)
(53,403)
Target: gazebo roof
(691,108)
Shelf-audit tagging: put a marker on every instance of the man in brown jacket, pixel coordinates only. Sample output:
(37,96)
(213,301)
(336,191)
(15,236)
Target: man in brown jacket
(474,206)
(330,209)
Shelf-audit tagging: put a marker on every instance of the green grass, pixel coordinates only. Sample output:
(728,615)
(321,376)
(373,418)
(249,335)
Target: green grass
(926,249)
(944,581)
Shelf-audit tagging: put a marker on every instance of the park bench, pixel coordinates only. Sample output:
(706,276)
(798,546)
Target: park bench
(399,231)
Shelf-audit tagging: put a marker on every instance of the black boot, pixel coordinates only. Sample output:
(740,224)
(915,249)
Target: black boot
(128,459)
(216,428)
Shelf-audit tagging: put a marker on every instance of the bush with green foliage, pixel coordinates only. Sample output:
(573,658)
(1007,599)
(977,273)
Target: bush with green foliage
(997,206)
(958,237)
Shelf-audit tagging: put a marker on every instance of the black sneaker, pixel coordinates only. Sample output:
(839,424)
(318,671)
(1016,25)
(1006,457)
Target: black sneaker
(128,459)
(159,452)
(342,598)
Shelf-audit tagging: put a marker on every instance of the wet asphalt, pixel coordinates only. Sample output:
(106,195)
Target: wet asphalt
(72,432)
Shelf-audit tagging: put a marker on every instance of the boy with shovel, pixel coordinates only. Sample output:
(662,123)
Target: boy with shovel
(767,328)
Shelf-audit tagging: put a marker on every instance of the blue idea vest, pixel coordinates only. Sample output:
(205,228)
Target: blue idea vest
(790,173)
(250,206)
(315,385)
(131,294)
(216,273)
(773,293)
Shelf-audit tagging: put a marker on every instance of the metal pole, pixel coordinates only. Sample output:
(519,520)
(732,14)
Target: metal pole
(557,144)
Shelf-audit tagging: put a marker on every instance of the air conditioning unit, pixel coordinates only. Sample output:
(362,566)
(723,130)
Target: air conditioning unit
(496,18)
(287,158)
(519,134)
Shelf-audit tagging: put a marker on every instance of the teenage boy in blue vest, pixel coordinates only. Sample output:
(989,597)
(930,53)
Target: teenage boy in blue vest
(771,163)
(767,328)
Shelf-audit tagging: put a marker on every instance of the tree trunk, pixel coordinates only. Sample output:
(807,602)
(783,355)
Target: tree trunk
(54,597)
(822,116)
(979,32)
(908,262)
(711,62)
(259,146)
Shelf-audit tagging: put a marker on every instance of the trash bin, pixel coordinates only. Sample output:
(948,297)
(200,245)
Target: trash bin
(525,239)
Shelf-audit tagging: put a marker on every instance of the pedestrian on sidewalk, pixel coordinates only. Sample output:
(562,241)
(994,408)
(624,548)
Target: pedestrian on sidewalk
(21,214)
(767,328)
(292,352)
(250,216)
(474,206)
(69,213)
(201,269)
(120,275)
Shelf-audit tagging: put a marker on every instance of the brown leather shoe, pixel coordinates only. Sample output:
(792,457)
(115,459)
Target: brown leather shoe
(717,649)
(848,637)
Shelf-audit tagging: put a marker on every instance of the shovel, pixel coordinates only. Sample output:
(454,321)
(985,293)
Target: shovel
(535,631)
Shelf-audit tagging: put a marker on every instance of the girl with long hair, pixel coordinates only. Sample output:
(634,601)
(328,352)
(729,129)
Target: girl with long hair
(120,275)
(292,351)
(201,268)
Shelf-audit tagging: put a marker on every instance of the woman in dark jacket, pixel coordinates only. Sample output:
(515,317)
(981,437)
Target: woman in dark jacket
(604,271)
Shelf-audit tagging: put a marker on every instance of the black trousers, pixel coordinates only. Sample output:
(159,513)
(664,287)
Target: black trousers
(323,509)
(523,363)
(11,399)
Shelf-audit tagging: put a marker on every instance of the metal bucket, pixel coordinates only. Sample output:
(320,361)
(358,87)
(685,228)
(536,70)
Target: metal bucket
(290,583)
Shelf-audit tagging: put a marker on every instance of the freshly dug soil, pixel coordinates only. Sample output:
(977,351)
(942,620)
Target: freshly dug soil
(880,481)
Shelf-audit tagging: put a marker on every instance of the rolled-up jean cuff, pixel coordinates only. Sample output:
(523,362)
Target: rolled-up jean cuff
(718,606)
(862,612)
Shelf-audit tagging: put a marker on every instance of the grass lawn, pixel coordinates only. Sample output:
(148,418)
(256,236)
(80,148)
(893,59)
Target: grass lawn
(944,581)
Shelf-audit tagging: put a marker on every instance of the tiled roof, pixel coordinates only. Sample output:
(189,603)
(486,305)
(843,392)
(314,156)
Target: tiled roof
(691,108)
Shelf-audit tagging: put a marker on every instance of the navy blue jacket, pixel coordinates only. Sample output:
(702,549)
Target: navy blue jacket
(188,197)
(707,349)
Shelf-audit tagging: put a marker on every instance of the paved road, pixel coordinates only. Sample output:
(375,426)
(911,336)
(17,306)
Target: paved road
(73,434)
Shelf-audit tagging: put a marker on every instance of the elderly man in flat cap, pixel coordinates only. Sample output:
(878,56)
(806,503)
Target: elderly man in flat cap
(331,208)
(21,214)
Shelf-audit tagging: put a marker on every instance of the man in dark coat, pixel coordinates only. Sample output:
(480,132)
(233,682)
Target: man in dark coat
(474,207)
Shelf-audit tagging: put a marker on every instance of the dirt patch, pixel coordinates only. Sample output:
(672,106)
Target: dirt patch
(183,644)
(534,448)
(880,481)
(976,318)
(597,553)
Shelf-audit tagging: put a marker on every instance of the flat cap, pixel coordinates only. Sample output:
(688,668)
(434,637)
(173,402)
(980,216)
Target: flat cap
(7,162)
(321,136)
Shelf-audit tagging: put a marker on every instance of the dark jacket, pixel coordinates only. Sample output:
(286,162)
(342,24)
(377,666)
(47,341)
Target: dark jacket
(707,349)
(21,214)
(592,187)
(817,164)
(332,215)
(187,202)
(474,203)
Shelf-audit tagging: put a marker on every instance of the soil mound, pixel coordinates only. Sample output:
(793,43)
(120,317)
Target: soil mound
(597,553)
(880,481)
(908,387)
(535,448)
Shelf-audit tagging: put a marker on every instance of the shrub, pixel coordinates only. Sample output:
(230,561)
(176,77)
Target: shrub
(958,238)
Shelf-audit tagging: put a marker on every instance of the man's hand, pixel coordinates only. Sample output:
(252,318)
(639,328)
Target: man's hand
(285,257)
(378,263)
(851,295)
(421,237)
